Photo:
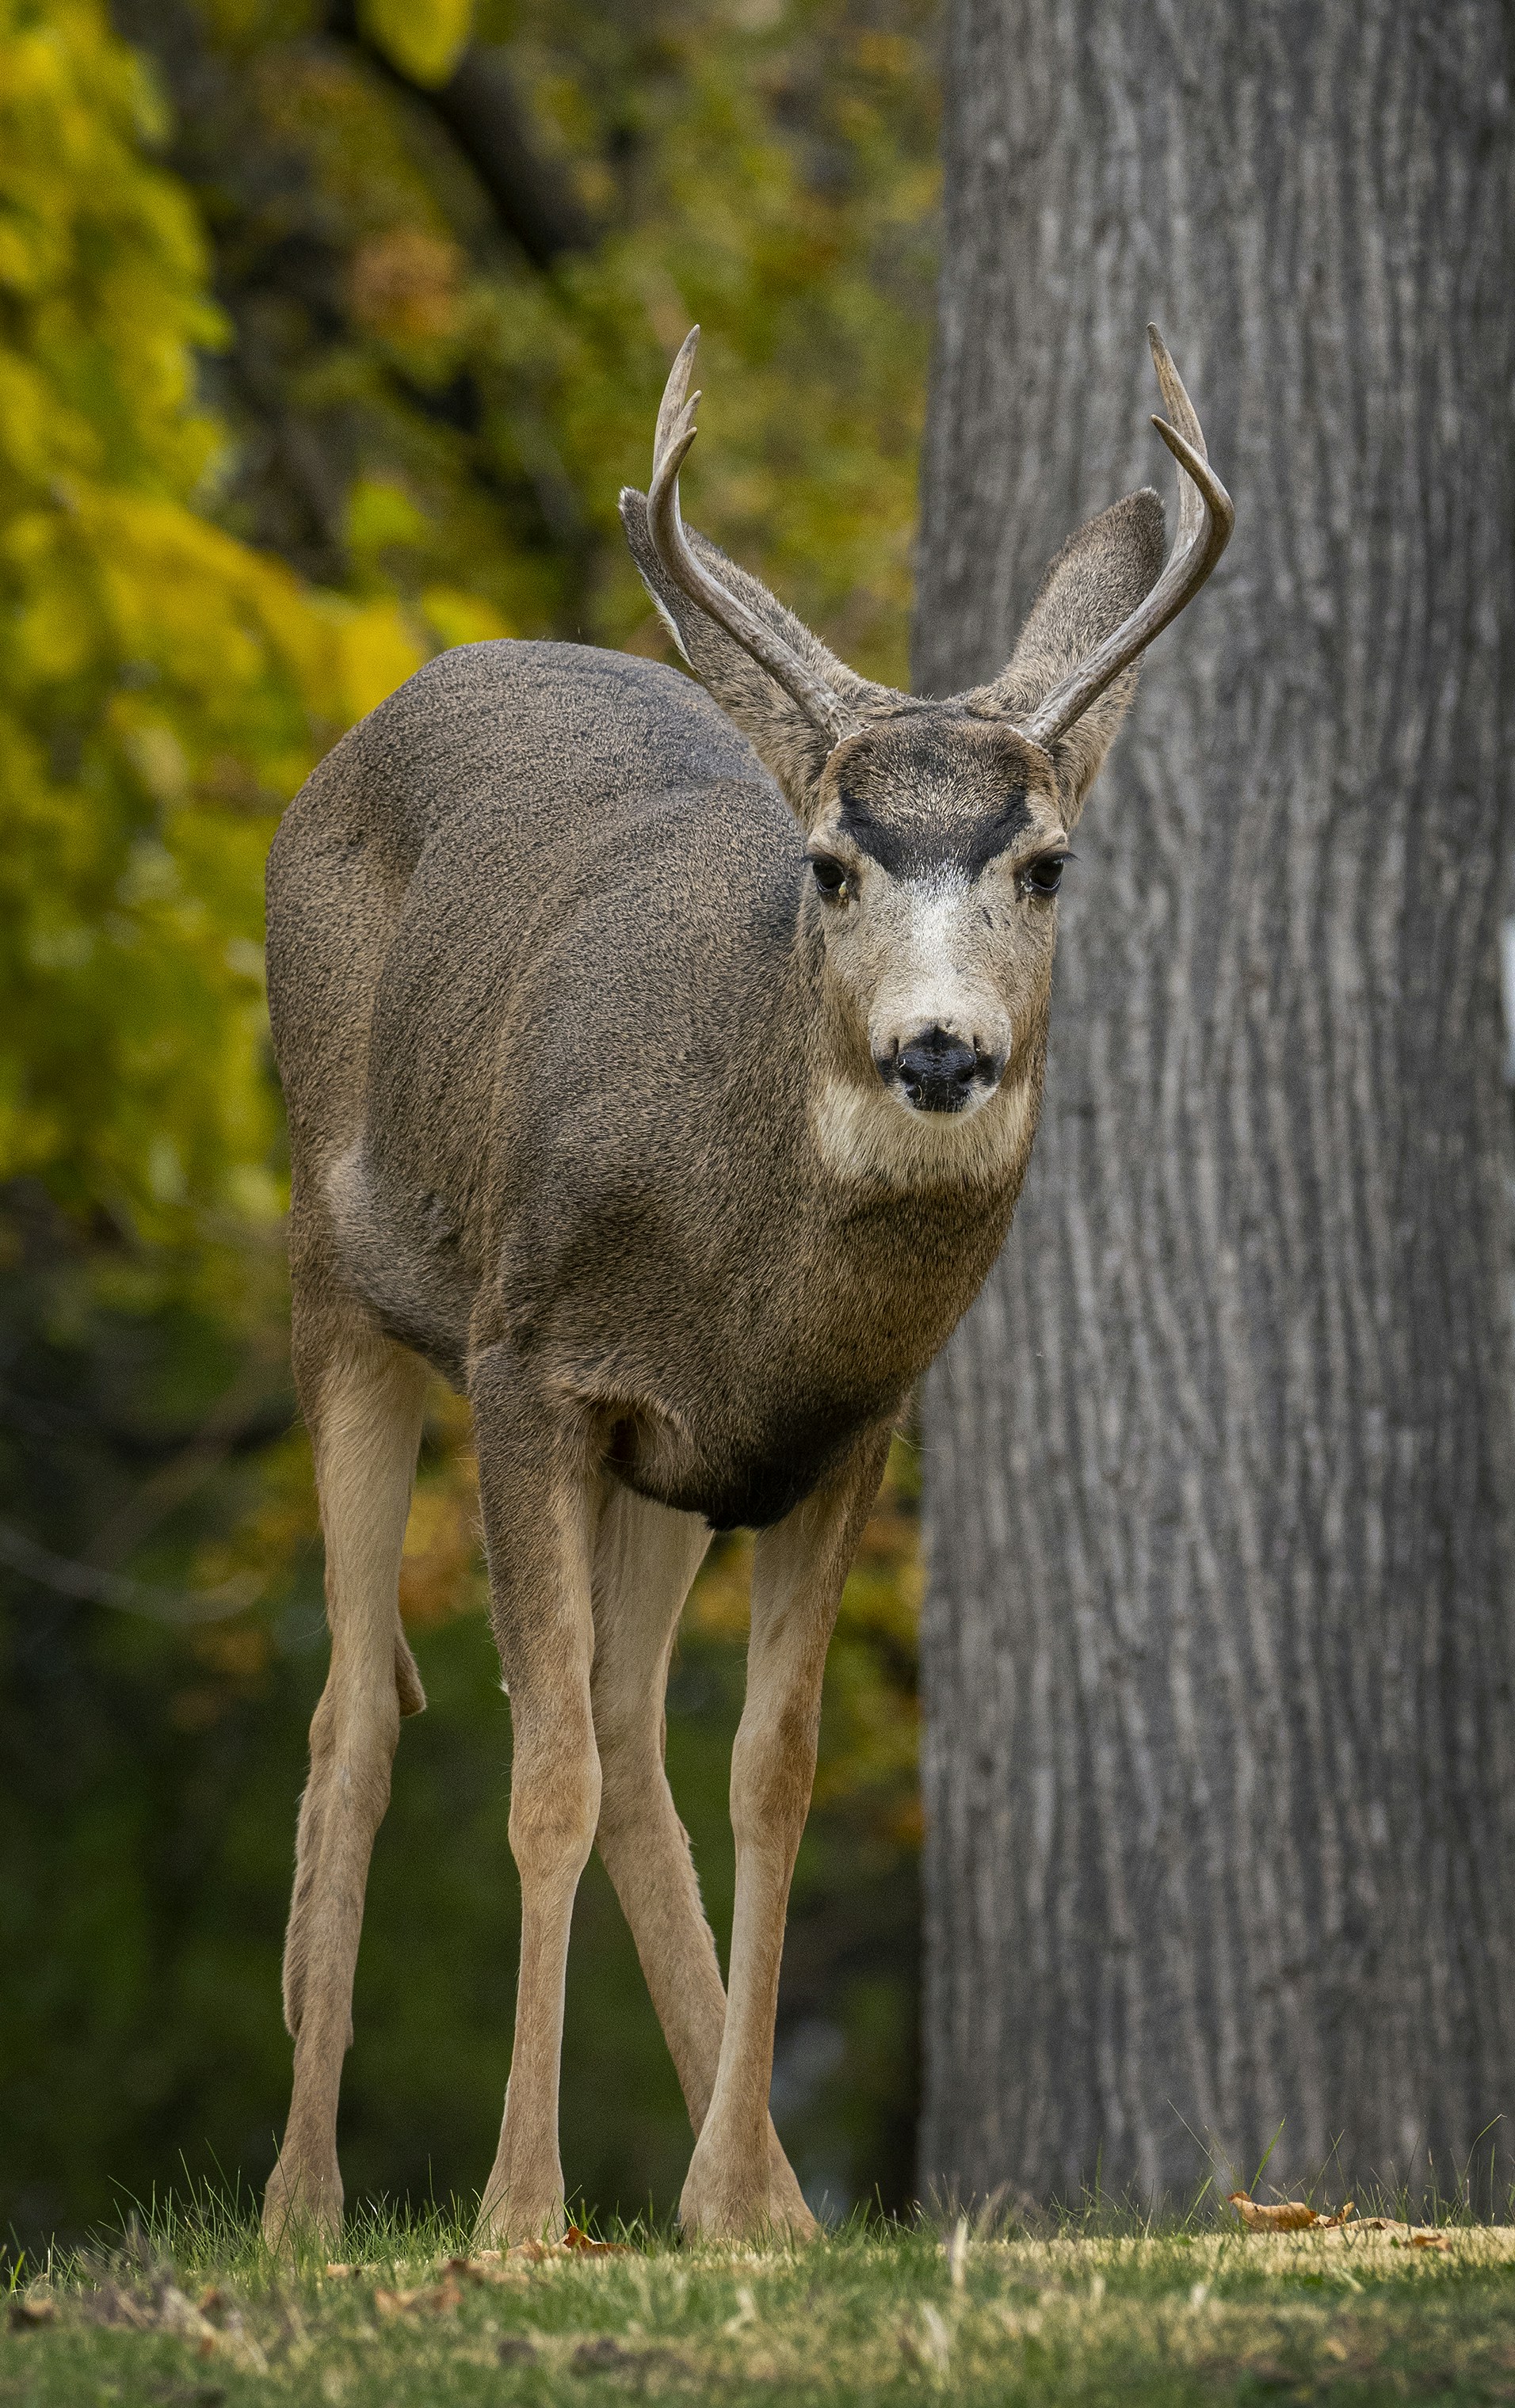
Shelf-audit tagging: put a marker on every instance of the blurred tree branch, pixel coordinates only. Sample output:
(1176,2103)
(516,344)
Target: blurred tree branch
(479,108)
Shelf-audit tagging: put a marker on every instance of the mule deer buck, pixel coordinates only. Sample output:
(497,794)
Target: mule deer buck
(662,1066)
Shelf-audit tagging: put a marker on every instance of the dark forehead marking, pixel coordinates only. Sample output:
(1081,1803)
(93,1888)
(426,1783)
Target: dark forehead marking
(969,840)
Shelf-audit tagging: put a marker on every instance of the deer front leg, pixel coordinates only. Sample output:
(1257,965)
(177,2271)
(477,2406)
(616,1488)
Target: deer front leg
(539,1506)
(645,1557)
(798,1575)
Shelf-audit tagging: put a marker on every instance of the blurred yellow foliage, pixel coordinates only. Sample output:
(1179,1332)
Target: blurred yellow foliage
(164,688)
(424,39)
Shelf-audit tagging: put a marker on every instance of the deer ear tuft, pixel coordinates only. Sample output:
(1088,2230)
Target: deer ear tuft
(782,736)
(1096,582)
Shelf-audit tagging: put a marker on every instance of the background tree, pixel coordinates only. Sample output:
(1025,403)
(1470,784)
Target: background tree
(1219,1479)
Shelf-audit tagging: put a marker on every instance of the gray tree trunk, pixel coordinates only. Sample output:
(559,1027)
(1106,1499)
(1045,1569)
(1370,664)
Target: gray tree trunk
(1219,1763)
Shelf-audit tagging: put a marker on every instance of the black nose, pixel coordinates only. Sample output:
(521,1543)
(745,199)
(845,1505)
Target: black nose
(936,1071)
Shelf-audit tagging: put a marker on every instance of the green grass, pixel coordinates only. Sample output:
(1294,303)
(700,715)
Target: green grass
(874,2314)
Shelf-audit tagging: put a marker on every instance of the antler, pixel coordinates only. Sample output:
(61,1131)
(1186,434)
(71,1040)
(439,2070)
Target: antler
(676,432)
(1205,518)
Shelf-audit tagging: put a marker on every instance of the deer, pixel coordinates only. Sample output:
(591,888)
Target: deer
(662,1054)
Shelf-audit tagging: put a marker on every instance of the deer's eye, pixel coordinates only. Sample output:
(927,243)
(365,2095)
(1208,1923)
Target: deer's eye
(830,877)
(1043,877)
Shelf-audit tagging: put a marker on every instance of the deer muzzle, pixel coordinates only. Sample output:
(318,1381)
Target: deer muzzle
(938,1073)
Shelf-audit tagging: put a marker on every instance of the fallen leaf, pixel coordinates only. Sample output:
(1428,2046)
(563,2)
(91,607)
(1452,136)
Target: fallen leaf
(439,2299)
(576,2238)
(1289,2215)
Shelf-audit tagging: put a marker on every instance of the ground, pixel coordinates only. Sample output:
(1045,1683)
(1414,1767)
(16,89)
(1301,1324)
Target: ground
(196,2318)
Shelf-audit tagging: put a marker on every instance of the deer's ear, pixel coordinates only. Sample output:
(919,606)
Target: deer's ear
(782,736)
(1095,582)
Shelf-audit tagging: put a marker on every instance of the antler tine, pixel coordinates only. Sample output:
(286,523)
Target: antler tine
(1205,518)
(1184,418)
(676,432)
(671,405)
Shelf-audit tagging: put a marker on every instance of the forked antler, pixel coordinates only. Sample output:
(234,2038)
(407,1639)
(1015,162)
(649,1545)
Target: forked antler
(1205,519)
(676,431)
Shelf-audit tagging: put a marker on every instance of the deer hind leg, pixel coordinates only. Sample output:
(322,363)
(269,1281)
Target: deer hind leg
(798,1575)
(645,1558)
(539,1506)
(363,1400)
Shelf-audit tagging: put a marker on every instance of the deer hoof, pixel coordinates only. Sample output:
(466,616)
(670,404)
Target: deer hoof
(731,2201)
(520,2211)
(787,2209)
(302,2207)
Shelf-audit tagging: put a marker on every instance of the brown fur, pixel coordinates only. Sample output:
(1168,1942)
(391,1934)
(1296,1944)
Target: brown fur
(589,1110)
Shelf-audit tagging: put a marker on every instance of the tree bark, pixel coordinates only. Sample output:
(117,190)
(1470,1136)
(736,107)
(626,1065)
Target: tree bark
(1219,1767)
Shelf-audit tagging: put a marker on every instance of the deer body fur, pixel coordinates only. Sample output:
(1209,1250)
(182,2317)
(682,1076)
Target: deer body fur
(662,1070)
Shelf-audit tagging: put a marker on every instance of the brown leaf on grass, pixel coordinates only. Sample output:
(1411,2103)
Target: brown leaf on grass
(1405,2236)
(576,2238)
(430,2300)
(1289,2215)
(26,2314)
(504,2265)
(488,2265)
(485,2266)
